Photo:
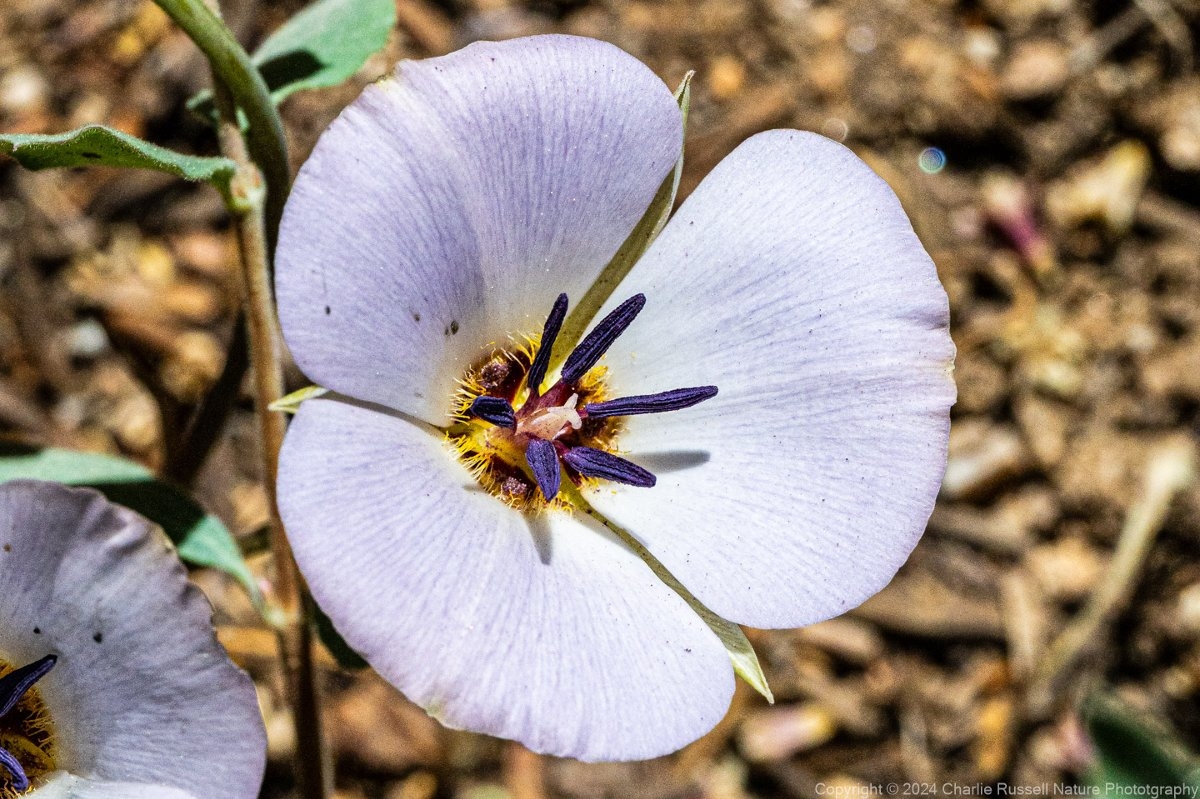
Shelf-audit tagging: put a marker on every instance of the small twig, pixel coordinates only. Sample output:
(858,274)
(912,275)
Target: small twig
(208,421)
(1172,27)
(1170,470)
(1159,13)
(1024,622)
(1094,48)
(1161,213)
(914,744)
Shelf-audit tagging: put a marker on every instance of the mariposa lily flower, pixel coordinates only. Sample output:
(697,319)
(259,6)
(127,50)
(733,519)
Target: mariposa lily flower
(545,535)
(112,683)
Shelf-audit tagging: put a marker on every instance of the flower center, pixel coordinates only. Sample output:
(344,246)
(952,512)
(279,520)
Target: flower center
(551,422)
(26,732)
(519,440)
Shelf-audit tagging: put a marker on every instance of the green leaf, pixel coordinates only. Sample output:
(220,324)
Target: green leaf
(323,45)
(634,246)
(66,466)
(1131,752)
(200,538)
(96,145)
(342,652)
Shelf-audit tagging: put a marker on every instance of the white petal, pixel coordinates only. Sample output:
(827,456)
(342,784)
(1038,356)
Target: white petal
(792,280)
(446,208)
(142,692)
(544,630)
(68,786)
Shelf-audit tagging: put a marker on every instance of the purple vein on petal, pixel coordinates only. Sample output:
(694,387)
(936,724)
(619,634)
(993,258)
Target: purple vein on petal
(596,343)
(537,370)
(496,410)
(543,460)
(14,684)
(606,466)
(673,400)
(19,782)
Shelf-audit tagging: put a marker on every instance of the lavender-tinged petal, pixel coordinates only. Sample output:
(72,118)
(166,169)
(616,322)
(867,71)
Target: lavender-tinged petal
(17,781)
(103,589)
(595,344)
(62,785)
(14,684)
(606,466)
(792,279)
(673,400)
(449,205)
(496,410)
(596,659)
(537,370)
(543,460)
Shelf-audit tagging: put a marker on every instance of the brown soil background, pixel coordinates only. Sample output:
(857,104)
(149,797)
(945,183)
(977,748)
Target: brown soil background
(1066,228)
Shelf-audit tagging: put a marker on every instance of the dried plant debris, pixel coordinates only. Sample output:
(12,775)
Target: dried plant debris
(1047,151)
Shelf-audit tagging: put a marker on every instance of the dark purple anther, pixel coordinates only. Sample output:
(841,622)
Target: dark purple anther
(14,684)
(12,687)
(593,347)
(598,463)
(550,428)
(673,400)
(537,370)
(543,460)
(496,410)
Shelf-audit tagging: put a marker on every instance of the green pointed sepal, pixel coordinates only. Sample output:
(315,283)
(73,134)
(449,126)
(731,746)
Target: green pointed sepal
(737,645)
(634,246)
(291,403)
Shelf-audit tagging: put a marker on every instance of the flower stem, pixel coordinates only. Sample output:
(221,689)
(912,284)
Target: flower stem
(268,149)
(288,596)
(258,193)
(232,68)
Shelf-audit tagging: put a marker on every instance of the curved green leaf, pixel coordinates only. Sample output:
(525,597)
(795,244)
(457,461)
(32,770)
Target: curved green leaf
(322,46)
(96,145)
(1130,752)
(200,538)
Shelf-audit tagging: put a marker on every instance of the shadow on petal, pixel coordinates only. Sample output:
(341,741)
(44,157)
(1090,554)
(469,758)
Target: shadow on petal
(417,422)
(539,528)
(673,460)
